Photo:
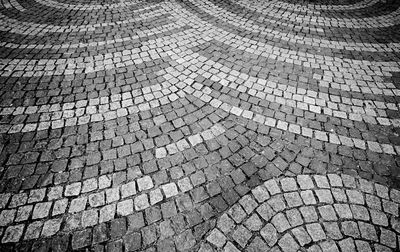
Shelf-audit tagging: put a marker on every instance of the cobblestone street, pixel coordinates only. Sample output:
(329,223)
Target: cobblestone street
(199,125)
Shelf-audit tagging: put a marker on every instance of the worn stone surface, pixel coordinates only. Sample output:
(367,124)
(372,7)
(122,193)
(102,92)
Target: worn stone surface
(189,125)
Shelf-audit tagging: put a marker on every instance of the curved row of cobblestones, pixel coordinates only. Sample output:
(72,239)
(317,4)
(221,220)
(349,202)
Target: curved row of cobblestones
(318,212)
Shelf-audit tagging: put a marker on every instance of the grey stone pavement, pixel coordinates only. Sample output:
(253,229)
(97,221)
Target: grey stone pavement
(199,125)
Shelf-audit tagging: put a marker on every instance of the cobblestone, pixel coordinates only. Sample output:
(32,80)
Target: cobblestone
(212,125)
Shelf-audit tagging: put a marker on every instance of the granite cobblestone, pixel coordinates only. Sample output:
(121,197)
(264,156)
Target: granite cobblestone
(190,125)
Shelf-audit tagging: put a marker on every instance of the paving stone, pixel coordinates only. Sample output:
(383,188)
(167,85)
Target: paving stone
(4,198)
(324,196)
(378,217)
(168,209)
(107,213)
(128,189)
(112,195)
(253,223)
(41,210)
(89,218)
(272,187)
(309,214)
(166,245)
(367,231)
(145,183)
(265,211)
(100,233)
(96,199)
(33,230)
(363,246)
(89,185)
(270,234)
(73,189)
(277,202)
(51,227)
(257,245)
(390,207)
(294,217)
(132,241)
(241,235)
(77,205)
(280,222)
(260,193)
(115,245)
(238,120)
(350,228)
(237,213)
(355,197)
(225,223)
(321,181)
(170,190)
(293,199)
(333,230)
(347,245)
(13,233)
(360,212)
(229,247)
(327,213)
(166,229)
(73,222)
(199,194)
(305,182)
(335,180)
(382,191)
(7,217)
(316,232)
(388,238)
(117,228)
(141,202)
(81,239)
(343,211)
(308,197)
(184,240)
(155,196)
(287,243)
(248,204)
(135,221)
(288,184)
(125,207)
(185,184)
(36,195)
(152,214)
(216,238)
(301,236)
